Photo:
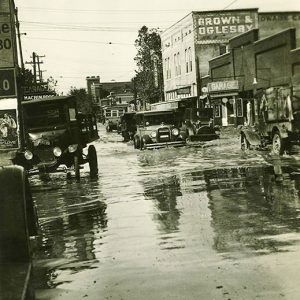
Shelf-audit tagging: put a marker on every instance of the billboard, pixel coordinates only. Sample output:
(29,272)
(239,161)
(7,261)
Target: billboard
(220,26)
(7,35)
(8,129)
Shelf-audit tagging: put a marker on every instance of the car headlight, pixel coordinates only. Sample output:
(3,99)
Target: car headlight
(175,131)
(72,148)
(57,152)
(28,155)
(153,134)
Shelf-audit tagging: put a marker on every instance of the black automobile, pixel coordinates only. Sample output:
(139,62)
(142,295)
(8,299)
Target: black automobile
(128,126)
(158,129)
(55,136)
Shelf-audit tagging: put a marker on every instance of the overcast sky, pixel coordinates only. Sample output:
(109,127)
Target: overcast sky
(96,37)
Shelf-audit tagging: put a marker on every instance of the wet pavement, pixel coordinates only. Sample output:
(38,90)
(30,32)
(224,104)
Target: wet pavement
(205,221)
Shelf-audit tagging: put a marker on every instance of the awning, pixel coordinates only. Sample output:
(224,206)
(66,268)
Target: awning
(223,95)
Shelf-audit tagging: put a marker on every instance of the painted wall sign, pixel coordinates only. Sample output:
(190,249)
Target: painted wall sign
(7,36)
(221,86)
(7,83)
(213,26)
(8,129)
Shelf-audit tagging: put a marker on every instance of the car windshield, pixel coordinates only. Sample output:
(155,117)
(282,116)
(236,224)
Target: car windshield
(157,119)
(44,115)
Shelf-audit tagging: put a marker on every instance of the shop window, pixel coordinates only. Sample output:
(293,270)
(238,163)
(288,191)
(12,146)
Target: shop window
(239,107)
(217,111)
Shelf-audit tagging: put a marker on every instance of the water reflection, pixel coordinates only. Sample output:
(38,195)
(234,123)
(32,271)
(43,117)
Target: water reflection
(73,221)
(164,192)
(252,209)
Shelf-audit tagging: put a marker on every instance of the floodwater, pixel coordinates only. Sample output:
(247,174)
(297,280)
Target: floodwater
(205,221)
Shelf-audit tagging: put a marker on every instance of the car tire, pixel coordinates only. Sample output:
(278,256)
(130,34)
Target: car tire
(245,145)
(278,143)
(76,166)
(93,161)
(136,143)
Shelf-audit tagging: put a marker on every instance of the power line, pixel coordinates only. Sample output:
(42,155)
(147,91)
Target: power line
(79,41)
(230,4)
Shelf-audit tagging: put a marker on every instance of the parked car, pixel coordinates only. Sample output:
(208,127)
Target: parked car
(55,135)
(128,126)
(202,127)
(158,129)
(276,121)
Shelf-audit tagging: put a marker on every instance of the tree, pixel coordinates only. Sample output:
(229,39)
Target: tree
(83,100)
(148,80)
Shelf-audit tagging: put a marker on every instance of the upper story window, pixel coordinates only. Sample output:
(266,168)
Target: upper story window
(188,60)
(168,68)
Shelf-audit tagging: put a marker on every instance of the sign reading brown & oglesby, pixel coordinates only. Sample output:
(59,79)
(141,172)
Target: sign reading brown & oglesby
(221,26)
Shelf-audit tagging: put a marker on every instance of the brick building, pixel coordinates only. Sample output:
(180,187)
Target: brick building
(253,67)
(189,45)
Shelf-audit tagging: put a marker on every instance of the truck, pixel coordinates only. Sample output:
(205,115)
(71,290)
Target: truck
(274,119)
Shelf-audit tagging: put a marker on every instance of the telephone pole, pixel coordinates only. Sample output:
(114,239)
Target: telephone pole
(36,65)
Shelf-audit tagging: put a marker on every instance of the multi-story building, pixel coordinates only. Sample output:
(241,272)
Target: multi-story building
(189,45)
(93,88)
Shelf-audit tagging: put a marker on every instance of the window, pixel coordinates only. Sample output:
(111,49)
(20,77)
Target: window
(178,64)
(114,113)
(168,68)
(217,110)
(186,61)
(175,64)
(190,59)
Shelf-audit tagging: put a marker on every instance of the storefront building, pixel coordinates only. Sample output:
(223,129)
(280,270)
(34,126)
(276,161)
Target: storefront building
(252,71)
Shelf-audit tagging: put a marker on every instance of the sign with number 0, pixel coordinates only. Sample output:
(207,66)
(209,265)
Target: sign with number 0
(7,83)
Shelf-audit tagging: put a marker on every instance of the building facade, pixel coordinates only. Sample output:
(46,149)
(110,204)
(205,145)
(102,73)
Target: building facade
(189,44)
(190,48)
(255,69)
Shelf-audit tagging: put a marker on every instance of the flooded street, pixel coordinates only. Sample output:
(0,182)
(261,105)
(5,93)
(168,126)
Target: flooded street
(206,221)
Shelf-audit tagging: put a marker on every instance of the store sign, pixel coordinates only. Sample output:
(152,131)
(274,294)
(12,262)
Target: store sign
(7,36)
(184,91)
(8,129)
(211,26)
(7,83)
(221,86)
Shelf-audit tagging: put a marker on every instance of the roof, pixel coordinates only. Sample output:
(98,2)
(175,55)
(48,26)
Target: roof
(48,99)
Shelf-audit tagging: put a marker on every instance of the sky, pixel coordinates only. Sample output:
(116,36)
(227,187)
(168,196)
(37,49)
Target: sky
(96,37)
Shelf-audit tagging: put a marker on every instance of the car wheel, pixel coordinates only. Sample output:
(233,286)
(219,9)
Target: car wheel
(278,144)
(93,161)
(76,167)
(245,145)
(136,143)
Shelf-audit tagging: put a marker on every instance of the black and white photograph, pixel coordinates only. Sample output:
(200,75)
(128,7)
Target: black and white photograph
(149,150)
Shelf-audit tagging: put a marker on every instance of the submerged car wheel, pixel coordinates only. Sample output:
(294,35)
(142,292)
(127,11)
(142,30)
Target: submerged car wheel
(76,166)
(136,143)
(245,145)
(93,161)
(278,144)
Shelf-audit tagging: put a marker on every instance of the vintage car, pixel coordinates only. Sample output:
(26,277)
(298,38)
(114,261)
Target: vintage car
(128,126)
(56,135)
(158,129)
(201,127)
(113,116)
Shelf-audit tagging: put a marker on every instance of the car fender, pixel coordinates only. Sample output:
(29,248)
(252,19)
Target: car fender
(252,137)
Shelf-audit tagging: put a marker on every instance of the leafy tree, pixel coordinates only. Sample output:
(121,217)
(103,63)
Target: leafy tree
(148,81)
(84,101)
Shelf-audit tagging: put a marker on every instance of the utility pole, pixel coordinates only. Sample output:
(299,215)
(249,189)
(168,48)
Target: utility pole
(36,65)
